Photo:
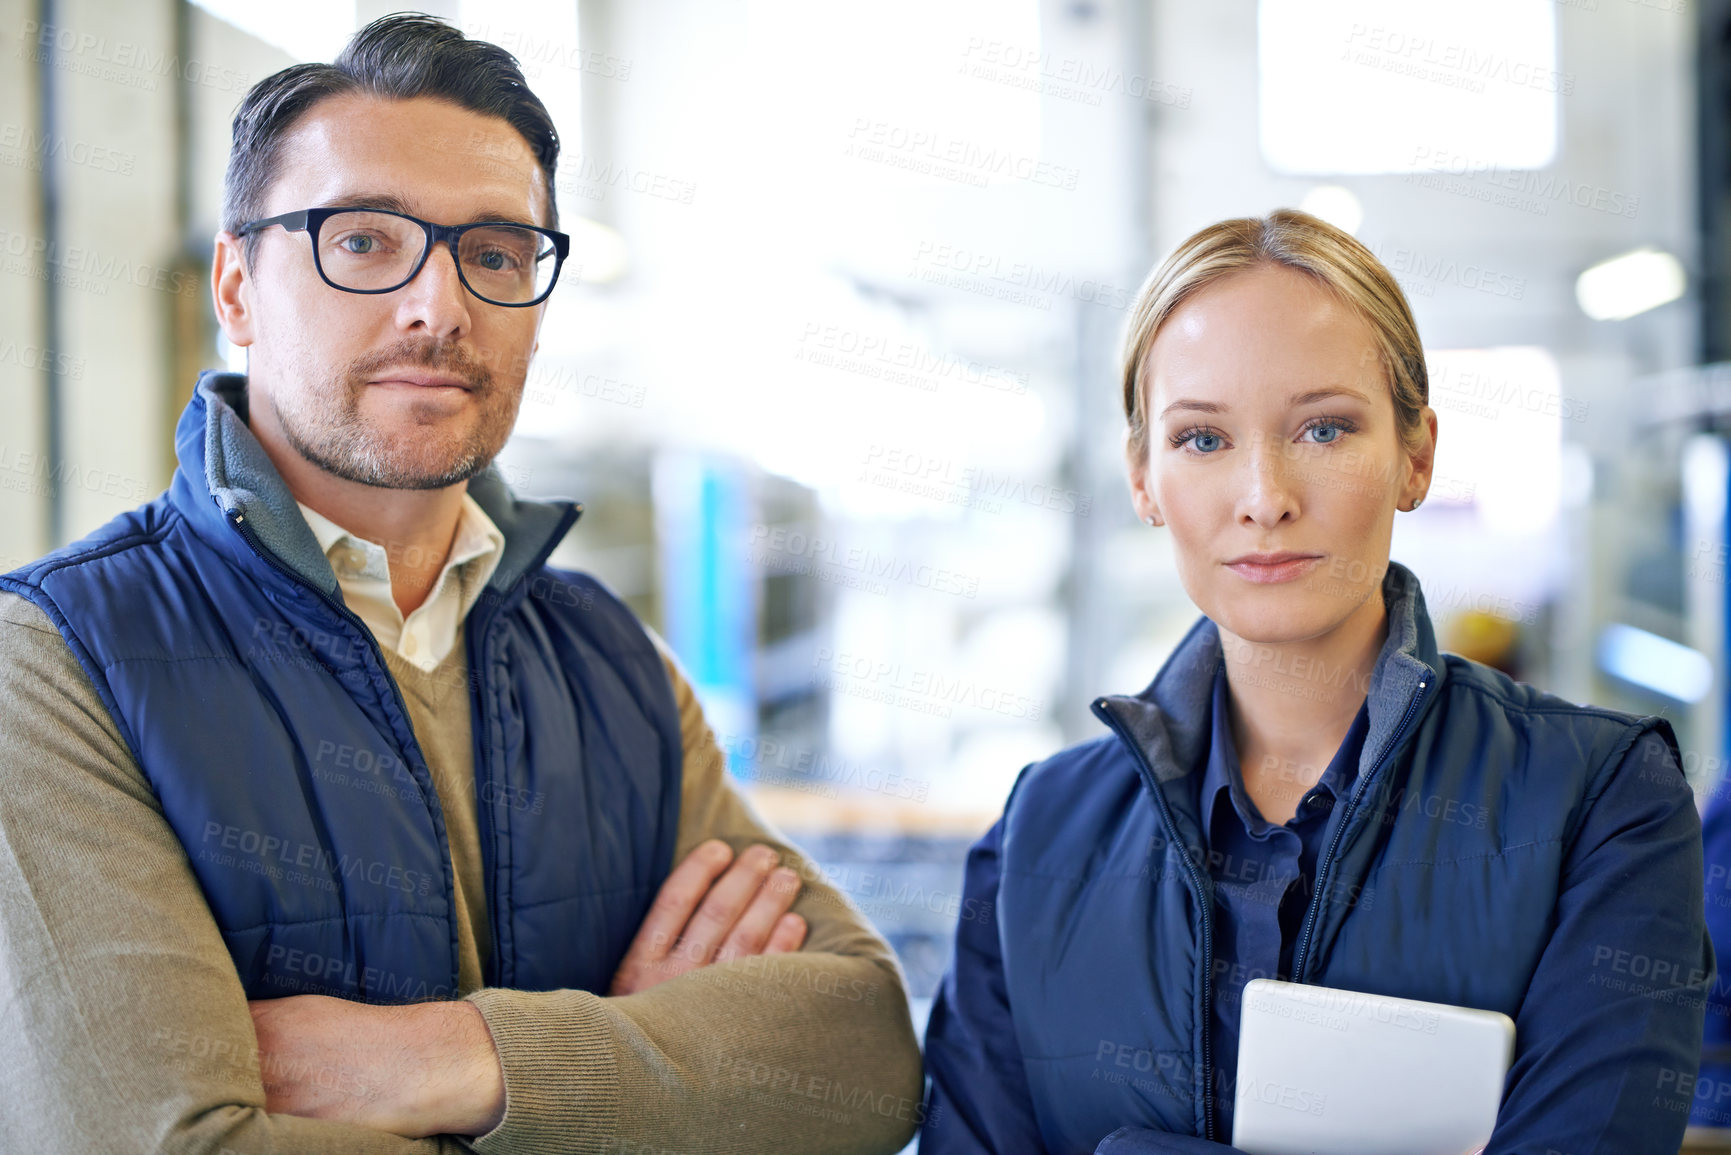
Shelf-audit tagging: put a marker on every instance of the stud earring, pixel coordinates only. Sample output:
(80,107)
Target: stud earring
(1148,520)
(1416,501)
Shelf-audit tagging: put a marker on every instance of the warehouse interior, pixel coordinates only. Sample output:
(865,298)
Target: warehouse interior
(833,366)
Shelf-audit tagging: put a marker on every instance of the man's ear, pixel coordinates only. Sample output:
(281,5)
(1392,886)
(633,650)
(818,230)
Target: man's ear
(231,290)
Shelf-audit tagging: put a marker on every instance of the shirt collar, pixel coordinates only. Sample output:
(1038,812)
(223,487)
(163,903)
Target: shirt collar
(355,558)
(1223,774)
(220,459)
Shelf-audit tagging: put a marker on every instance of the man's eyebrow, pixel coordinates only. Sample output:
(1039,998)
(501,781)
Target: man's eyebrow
(1297,399)
(387,202)
(390,202)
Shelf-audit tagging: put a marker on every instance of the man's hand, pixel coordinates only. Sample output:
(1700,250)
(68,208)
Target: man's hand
(744,913)
(416,1070)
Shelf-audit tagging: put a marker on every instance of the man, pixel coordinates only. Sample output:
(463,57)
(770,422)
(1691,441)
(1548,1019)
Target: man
(333,819)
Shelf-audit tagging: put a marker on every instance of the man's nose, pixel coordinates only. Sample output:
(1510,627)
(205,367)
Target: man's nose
(436,299)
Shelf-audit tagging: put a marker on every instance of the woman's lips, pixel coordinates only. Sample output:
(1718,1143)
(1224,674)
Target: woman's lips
(1268,572)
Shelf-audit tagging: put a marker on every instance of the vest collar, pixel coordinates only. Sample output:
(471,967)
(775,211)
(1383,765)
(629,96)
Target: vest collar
(220,457)
(1169,721)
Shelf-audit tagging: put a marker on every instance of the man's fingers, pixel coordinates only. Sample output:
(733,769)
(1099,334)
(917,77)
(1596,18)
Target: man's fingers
(752,931)
(674,904)
(712,902)
(726,903)
(788,935)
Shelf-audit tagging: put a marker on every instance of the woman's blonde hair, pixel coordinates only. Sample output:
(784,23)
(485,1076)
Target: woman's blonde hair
(1297,240)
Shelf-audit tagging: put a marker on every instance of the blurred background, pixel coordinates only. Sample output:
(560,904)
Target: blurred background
(833,367)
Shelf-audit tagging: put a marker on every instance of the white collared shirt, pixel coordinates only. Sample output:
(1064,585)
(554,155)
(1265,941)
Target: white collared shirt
(364,575)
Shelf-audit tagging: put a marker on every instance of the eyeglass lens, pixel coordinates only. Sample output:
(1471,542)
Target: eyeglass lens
(373,250)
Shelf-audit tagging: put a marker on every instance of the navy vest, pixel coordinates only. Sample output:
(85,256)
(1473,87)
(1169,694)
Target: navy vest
(1445,856)
(278,743)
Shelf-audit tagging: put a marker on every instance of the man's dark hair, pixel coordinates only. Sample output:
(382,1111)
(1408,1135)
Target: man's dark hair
(400,56)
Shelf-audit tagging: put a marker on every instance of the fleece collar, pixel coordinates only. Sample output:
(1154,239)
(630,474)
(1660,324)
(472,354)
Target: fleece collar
(1169,721)
(216,447)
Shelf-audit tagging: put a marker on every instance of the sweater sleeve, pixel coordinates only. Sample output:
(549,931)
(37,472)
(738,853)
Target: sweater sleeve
(808,1052)
(128,1027)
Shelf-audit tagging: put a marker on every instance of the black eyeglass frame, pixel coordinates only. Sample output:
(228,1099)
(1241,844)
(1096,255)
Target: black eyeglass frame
(310,221)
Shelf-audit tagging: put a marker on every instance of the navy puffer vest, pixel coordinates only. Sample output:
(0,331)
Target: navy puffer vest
(268,725)
(1447,853)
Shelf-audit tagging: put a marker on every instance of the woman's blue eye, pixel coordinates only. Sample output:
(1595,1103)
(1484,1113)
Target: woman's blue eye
(1199,440)
(1334,429)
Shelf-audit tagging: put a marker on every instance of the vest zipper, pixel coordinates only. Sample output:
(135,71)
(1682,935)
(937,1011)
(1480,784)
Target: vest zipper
(1301,954)
(1204,905)
(238,520)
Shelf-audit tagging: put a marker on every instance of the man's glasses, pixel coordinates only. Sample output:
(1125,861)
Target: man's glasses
(377,251)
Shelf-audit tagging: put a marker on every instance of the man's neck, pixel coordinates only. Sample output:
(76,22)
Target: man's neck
(415,527)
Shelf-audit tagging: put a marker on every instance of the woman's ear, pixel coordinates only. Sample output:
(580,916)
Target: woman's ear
(1422,461)
(1147,508)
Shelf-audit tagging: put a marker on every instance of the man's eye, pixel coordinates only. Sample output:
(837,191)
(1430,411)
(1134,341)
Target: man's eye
(495,261)
(358,244)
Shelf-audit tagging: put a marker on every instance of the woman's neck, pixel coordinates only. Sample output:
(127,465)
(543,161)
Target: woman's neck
(1291,703)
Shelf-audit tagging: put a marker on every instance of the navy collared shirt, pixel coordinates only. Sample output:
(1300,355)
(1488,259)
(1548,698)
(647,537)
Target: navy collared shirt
(1262,877)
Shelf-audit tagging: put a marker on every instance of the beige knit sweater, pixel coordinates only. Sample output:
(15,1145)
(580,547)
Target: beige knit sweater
(126,1028)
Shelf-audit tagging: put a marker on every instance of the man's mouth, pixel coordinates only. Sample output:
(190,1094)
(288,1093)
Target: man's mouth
(422,380)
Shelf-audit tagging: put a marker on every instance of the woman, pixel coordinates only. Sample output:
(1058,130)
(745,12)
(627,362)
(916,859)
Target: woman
(1309,790)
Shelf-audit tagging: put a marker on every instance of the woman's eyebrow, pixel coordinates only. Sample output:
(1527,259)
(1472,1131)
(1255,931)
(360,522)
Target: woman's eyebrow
(1296,399)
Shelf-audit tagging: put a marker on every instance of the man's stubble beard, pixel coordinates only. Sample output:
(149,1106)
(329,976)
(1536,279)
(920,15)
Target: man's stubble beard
(328,429)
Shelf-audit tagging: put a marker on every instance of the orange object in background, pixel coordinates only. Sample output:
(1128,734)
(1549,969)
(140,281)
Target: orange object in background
(1485,637)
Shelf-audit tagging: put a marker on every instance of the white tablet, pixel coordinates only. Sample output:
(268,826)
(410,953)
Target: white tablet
(1331,1072)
